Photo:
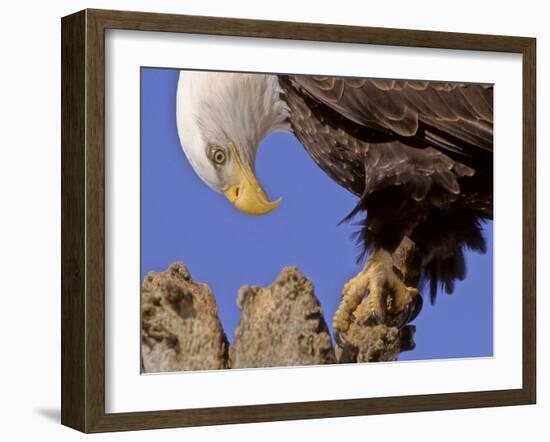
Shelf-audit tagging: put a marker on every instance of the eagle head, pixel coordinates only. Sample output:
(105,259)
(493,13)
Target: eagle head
(222,118)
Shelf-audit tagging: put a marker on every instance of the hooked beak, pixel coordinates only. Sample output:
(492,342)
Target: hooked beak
(248,195)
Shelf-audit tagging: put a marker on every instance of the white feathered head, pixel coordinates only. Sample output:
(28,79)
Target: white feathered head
(222,118)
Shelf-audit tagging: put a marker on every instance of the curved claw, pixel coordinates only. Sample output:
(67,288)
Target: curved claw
(340,337)
(416,307)
(412,310)
(409,313)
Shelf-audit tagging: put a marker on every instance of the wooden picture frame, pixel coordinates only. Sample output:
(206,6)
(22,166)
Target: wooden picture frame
(83,220)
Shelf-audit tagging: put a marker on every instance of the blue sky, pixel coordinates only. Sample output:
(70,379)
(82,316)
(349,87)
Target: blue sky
(184,220)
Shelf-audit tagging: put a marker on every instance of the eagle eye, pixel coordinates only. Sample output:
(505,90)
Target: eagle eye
(218,155)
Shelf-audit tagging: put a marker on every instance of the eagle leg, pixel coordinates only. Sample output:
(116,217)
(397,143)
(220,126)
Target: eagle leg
(389,300)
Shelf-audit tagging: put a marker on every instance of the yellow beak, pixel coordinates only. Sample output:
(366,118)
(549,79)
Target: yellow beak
(248,195)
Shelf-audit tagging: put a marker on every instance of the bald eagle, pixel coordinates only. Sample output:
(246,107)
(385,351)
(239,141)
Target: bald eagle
(417,154)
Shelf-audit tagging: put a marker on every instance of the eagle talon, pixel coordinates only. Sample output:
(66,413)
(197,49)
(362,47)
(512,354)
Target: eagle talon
(377,296)
(405,306)
(415,306)
(405,317)
(409,309)
(341,338)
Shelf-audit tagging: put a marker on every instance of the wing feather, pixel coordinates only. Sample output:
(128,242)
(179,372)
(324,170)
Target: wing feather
(460,114)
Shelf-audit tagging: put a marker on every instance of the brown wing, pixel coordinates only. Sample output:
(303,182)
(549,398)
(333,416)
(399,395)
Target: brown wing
(369,156)
(451,116)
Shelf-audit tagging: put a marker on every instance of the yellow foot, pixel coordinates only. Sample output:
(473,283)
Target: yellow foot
(389,300)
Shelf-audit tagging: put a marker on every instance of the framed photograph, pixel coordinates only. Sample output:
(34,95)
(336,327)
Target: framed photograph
(268,220)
